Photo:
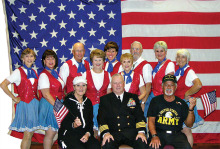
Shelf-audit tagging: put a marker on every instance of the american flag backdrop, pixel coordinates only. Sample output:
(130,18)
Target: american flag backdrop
(58,24)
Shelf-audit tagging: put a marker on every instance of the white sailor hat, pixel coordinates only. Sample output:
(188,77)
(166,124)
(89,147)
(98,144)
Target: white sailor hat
(79,79)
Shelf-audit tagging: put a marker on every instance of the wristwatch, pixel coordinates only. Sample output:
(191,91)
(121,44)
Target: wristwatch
(142,102)
(154,135)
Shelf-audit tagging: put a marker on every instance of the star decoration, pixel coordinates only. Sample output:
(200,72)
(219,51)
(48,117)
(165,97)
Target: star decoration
(17,65)
(62,7)
(51,1)
(35,67)
(101,24)
(32,17)
(81,6)
(15,34)
(42,8)
(33,35)
(13,17)
(62,24)
(102,40)
(111,1)
(92,48)
(36,51)
(72,33)
(55,50)
(16,50)
(92,32)
(63,59)
(81,24)
(22,9)
(24,43)
(101,7)
(42,26)
(91,15)
(44,43)
(71,49)
(31,2)
(52,16)
(111,15)
(82,41)
(54,34)
(11,2)
(23,26)
(91,1)
(63,42)
(111,32)
(72,15)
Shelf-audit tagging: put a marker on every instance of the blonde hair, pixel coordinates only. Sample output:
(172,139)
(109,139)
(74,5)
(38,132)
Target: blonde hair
(161,44)
(97,52)
(126,56)
(28,51)
(184,52)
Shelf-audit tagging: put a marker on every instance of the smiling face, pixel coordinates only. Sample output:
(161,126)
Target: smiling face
(78,52)
(136,51)
(111,53)
(80,89)
(169,88)
(28,59)
(50,61)
(97,62)
(181,60)
(127,64)
(117,84)
(160,53)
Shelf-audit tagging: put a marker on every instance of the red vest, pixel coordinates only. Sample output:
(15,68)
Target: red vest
(25,90)
(55,86)
(181,86)
(92,93)
(73,73)
(115,68)
(157,80)
(139,68)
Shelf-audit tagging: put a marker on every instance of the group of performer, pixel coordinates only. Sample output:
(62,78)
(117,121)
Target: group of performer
(80,85)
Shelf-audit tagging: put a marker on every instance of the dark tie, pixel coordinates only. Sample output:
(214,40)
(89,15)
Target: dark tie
(119,98)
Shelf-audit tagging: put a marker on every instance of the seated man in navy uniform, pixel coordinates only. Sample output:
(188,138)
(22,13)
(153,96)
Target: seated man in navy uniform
(166,115)
(120,117)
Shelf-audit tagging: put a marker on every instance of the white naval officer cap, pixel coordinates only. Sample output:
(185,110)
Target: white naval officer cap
(79,79)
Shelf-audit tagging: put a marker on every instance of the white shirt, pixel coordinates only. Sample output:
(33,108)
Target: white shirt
(98,79)
(147,70)
(44,82)
(15,77)
(127,86)
(121,96)
(189,77)
(64,69)
(170,68)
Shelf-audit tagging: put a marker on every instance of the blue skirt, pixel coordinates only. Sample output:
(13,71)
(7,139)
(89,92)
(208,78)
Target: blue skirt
(95,114)
(46,116)
(147,104)
(26,117)
(198,119)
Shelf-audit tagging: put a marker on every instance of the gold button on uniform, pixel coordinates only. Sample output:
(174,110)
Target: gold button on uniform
(118,117)
(127,116)
(118,124)
(128,124)
(119,129)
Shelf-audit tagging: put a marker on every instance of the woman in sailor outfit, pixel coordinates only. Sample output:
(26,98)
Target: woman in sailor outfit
(25,81)
(50,87)
(98,82)
(163,67)
(112,65)
(188,84)
(76,131)
(134,82)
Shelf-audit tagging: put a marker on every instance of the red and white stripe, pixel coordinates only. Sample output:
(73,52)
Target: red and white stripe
(209,107)
(190,24)
(60,115)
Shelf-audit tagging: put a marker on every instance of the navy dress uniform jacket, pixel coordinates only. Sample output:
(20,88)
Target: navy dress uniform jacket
(118,117)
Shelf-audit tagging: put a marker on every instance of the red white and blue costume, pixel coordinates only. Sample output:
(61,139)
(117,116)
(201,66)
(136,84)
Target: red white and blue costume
(56,87)
(97,85)
(184,83)
(117,67)
(26,114)
(68,71)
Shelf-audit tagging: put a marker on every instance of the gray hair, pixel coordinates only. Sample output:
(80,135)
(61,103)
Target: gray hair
(137,42)
(117,75)
(161,44)
(184,52)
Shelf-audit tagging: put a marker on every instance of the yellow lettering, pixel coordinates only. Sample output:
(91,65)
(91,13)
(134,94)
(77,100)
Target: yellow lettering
(160,120)
(164,120)
(171,121)
(177,121)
